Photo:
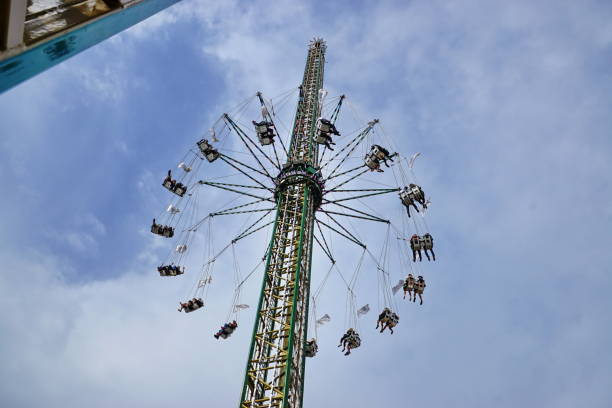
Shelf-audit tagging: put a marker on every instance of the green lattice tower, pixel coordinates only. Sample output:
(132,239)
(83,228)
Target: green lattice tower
(275,368)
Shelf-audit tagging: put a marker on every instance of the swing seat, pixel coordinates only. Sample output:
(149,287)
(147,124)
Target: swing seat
(265,133)
(204,146)
(162,230)
(179,189)
(324,126)
(212,155)
(311,348)
(165,271)
(386,316)
(265,139)
(407,197)
(372,162)
(207,150)
(196,305)
(427,242)
(416,244)
(408,285)
(261,128)
(321,138)
(226,331)
(168,183)
(353,341)
(393,320)
(174,187)
(379,154)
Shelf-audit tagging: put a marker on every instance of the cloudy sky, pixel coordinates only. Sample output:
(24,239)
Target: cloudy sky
(507,102)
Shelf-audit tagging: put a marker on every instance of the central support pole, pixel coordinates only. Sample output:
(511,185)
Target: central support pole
(275,368)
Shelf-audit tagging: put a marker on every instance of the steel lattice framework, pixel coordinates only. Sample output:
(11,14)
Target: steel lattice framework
(275,367)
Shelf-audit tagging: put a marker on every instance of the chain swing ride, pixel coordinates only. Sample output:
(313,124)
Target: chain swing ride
(299,190)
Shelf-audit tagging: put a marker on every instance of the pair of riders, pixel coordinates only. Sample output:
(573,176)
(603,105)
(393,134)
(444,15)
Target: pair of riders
(226,330)
(163,230)
(414,287)
(412,194)
(326,129)
(350,340)
(376,154)
(387,319)
(207,150)
(265,132)
(191,305)
(425,243)
(170,270)
(173,185)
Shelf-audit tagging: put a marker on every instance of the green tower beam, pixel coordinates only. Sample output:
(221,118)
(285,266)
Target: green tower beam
(275,367)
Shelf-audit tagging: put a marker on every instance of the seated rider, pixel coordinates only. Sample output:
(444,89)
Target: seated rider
(383,317)
(428,246)
(226,330)
(344,338)
(409,286)
(184,306)
(169,178)
(332,127)
(311,348)
(408,200)
(390,322)
(418,194)
(373,163)
(347,341)
(415,245)
(419,288)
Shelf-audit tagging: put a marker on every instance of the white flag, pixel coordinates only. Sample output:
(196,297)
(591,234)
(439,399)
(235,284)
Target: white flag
(213,135)
(240,307)
(412,159)
(322,95)
(324,319)
(172,209)
(397,287)
(183,166)
(363,310)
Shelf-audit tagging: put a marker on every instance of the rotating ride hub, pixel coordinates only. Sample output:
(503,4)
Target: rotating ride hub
(297,173)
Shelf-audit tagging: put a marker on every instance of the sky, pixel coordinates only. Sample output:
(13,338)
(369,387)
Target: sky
(508,104)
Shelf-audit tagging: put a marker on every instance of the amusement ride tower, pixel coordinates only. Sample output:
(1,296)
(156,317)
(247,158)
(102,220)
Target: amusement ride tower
(299,191)
(275,367)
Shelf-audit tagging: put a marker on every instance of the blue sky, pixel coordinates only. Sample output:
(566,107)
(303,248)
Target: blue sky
(509,105)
